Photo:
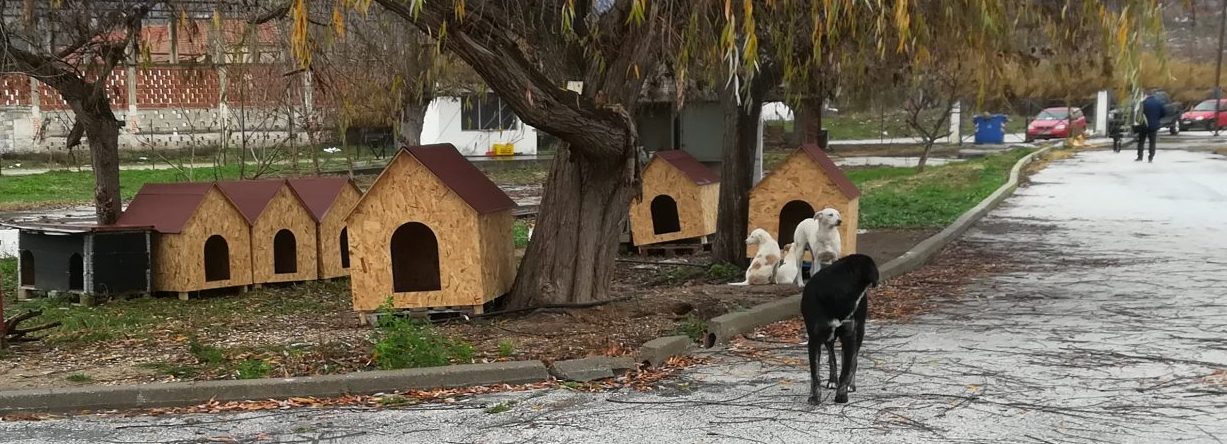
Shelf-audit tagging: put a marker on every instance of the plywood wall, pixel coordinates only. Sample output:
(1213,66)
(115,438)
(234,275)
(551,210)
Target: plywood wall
(408,192)
(330,233)
(696,209)
(498,270)
(284,211)
(178,261)
(800,178)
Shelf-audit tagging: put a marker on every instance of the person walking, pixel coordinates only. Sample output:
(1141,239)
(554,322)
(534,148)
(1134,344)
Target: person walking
(1153,110)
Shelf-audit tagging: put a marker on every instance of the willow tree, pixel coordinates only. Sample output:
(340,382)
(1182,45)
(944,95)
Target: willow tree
(963,48)
(528,52)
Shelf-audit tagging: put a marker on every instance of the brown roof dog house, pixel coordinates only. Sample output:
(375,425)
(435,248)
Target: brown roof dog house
(432,232)
(679,200)
(329,199)
(201,240)
(282,230)
(806,182)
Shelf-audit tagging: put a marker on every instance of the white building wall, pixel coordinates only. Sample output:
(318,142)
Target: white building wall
(442,124)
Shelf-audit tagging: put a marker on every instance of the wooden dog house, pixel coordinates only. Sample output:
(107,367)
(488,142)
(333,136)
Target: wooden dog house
(85,259)
(806,182)
(679,200)
(432,232)
(201,240)
(329,199)
(283,231)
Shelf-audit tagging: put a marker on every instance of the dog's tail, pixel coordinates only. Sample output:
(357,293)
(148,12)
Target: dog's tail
(745,282)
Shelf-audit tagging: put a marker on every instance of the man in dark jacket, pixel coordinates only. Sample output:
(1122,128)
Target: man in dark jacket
(1152,108)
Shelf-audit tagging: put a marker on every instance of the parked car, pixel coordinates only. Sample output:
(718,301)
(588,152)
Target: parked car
(1056,123)
(1202,116)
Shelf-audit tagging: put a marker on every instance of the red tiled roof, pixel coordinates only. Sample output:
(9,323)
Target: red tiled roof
(462,177)
(832,170)
(689,166)
(251,196)
(164,206)
(319,193)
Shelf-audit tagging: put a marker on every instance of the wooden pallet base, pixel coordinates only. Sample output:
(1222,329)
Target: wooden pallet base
(83,298)
(371,318)
(677,248)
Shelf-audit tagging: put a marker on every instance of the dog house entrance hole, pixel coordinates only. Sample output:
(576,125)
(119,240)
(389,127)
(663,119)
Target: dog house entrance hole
(27,267)
(76,272)
(415,258)
(285,253)
(345,247)
(216,259)
(790,216)
(664,215)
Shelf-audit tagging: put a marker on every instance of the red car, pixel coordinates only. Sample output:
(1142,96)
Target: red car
(1056,123)
(1202,116)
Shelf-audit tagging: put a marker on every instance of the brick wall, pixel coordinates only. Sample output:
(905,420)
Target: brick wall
(14,90)
(116,88)
(176,87)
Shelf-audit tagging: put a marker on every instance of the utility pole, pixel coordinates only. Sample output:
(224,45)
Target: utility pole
(1218,64)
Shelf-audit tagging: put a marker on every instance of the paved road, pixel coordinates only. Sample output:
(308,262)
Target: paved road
(1104,335)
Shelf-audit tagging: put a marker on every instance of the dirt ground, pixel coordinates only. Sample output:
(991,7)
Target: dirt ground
(309,329)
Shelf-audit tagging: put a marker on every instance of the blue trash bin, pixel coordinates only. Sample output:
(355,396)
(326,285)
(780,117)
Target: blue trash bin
(990,129)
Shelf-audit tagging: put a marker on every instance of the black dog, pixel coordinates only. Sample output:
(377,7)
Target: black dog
(834,304)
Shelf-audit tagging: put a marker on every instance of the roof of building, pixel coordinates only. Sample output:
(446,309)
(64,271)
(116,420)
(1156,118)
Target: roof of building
(689,166)
(458,174)
(164,206)
(320,193)
(251,196)
(832,170)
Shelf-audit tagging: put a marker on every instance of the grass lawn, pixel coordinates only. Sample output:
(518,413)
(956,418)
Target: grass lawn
(70,187)
(901,198)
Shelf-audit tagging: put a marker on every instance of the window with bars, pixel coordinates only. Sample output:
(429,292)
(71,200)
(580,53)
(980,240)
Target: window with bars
(486,113)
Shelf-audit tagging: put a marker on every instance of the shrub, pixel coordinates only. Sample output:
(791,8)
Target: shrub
(409,343)
(253,369)
(206,354)
(692,327)
(506,349)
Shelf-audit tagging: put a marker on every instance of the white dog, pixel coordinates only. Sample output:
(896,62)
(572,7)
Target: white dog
(819,235)
(762,268)
(787,273)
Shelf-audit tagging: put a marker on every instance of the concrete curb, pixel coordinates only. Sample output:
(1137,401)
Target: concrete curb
(656,352)
(723,328)
(189,393)
(591,368)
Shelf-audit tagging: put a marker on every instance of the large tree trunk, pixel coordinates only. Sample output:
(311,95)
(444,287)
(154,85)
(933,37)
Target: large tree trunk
(103,135)
(570,258)
(413,117)
(741,139)
(808,121)
(736,178)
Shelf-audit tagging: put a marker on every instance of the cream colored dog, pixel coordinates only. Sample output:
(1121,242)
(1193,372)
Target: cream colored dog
(787,273)
(762,268)
(819,235)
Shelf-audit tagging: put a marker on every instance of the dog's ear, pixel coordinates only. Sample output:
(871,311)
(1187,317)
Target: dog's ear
(874,277)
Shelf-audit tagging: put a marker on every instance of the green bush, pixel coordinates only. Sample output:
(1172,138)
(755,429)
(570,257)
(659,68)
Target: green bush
(506,349)
(692,327)
(206,354)
(723,271)
(408,343)
(253,369)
